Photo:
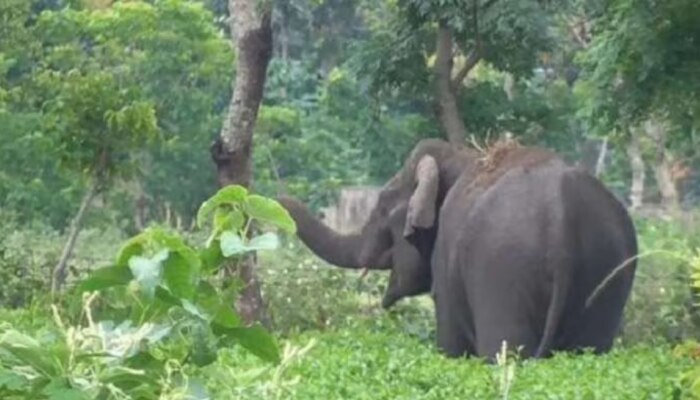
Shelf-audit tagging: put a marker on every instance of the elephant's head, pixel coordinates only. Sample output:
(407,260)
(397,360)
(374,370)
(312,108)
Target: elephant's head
(400,230)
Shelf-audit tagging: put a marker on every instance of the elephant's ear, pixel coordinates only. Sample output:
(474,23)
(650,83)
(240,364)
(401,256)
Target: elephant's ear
(422,204)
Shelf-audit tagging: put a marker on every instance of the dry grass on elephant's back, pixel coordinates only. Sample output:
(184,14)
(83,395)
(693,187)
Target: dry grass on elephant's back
(506,154)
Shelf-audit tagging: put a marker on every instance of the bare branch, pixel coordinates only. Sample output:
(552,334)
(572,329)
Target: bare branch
(579,31)
(471,61)
(475,54)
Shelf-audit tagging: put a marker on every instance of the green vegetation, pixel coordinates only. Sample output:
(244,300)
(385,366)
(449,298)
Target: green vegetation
(377,360)
(336,342)
(107,112)
(148,316)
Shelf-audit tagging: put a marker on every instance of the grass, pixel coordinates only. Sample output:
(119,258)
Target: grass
(378,360)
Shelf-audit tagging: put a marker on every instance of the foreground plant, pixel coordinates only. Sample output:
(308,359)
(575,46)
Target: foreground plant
(153,317)
(690,380)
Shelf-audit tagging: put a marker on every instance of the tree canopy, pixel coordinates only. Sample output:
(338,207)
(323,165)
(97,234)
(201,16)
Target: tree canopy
(350,88)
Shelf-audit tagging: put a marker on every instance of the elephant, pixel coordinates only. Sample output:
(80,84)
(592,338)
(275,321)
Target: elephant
(513,244)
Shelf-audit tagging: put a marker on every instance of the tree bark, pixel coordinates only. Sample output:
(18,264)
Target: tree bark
(252,35)
(447,108)
(634,152)
(657,131)
(600,163)
(251,32)
(59,271)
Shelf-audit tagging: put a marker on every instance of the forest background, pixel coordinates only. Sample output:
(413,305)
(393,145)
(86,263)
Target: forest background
(108,111)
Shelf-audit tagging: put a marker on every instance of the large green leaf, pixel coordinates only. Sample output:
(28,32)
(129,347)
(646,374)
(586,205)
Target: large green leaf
(266,241)
(207,297)
(180,276)
(203,351)
(132,379)
(225,219)
(164,295)
(175,244)
(270,211)
(232,244)
(133,247)
(11,380)
(211,257)
(106,277)
(255,339)
(194,310)
(217,306)
(148,272)
(233,194)
(226,316)
(58,389)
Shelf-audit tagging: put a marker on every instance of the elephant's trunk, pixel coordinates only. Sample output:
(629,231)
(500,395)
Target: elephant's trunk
(337,249)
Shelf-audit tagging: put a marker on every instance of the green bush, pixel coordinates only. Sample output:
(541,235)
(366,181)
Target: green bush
(303,293)
(661,306)
(378,360)
(150,318)
(28,254)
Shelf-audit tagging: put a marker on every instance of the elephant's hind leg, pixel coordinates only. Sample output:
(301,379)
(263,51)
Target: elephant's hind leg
(596,327)
(455,335)
(495,328)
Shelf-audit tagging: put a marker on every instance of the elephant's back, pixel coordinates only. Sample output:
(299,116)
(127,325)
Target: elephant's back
(509,211)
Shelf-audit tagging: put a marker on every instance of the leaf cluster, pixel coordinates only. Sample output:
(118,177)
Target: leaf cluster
(150,317)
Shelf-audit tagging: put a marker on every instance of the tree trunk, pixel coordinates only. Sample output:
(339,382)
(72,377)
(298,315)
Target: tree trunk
(447,108)
(252,35)
(251,32)
(59,272)
(634,152)
(140,207)
(589,155)
(657,130)
(600,163)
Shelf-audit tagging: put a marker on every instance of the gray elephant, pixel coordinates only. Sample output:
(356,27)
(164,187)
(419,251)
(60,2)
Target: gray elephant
(514,245)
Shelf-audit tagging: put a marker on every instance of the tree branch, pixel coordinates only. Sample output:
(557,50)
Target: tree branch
(472,59)
(475,54)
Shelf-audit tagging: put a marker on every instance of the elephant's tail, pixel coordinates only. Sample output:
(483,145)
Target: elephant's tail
(554,315)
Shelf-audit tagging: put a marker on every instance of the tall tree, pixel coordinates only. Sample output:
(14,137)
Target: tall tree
(433,46)
(251,32)
(640,78)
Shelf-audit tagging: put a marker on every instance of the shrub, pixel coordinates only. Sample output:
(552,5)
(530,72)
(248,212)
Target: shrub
(661,306)
(151,317)
(29,253)
(377,360)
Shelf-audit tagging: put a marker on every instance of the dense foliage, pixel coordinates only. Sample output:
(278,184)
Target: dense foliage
(148,318)
(120,100)
(380,361)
